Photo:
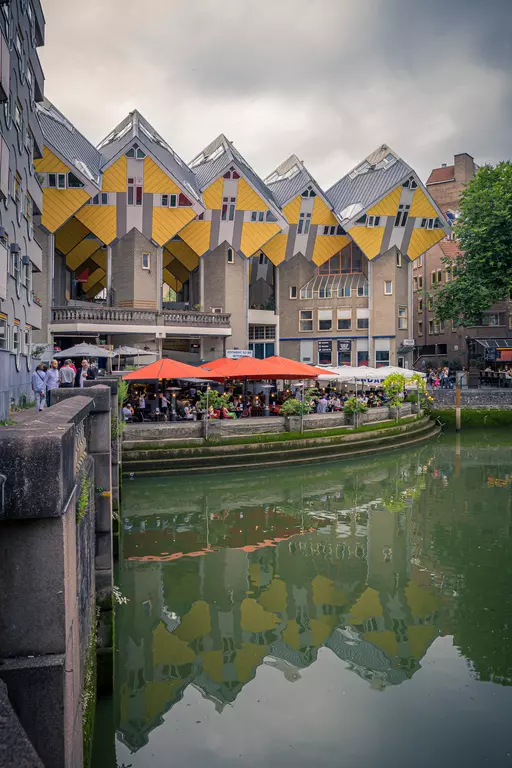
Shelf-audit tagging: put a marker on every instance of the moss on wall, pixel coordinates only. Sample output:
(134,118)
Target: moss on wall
(475,418)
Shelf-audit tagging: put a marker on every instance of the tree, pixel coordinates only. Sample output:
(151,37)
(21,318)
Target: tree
(484,231)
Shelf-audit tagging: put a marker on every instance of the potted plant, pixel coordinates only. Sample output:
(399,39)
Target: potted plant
(293,410)
(419,398)
(353,408)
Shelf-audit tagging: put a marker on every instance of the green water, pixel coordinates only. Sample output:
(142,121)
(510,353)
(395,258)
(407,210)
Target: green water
(337,614)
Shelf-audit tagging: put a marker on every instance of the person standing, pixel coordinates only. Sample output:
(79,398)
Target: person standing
(82,374)
(67,375)
(39,387)
(52,379)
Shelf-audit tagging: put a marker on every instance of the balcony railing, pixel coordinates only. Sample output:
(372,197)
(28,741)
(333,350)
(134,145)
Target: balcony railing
(118,315)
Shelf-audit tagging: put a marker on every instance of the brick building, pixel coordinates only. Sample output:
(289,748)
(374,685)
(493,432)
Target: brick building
(438,342)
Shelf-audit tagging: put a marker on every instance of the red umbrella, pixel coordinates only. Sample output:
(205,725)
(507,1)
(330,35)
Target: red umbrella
(166,369)
(257,370)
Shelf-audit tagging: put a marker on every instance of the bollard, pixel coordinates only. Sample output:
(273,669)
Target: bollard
(457,408)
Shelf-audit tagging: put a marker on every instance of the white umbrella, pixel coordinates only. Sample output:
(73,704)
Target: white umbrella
(83,350)
(130,352)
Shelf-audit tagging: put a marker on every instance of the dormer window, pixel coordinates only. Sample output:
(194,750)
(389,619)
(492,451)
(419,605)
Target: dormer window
(231,174)
(364,167)
(410,183)
(136,152)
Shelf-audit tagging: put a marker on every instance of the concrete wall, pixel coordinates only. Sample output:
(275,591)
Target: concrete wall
(52,549)
(132,285)
(474,398)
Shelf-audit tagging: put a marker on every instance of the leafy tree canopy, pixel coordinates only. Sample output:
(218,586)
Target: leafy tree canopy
(484,232)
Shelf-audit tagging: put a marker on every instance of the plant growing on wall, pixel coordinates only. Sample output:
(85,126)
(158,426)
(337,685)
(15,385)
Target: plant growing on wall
(83,497)
(122,392)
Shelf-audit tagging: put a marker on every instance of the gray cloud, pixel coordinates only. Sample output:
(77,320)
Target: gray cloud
(327,79)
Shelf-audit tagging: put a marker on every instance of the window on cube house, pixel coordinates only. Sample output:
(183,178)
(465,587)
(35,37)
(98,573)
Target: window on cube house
(231,174)
(304,224)
(402,215)
(309,192)
(346,262)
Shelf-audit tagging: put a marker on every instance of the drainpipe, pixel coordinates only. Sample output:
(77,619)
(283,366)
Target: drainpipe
(109,275)
(371,361)
(51,278)
(159,273)
(410,311)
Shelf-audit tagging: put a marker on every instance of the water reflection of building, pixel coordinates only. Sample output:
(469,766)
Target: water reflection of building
(334,573)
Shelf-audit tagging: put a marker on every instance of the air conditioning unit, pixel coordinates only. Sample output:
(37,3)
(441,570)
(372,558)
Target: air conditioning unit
(217,310)
(25,261)
(15,248)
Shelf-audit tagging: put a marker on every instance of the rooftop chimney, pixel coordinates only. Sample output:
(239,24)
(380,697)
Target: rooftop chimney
(443,165)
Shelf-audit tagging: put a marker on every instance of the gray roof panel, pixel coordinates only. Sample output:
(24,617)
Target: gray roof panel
(60,134)
(366,188)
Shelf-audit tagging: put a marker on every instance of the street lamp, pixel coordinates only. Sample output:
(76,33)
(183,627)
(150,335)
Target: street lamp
(300,385)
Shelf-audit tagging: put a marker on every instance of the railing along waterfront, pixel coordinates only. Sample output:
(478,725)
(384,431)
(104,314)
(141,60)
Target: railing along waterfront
(99,314)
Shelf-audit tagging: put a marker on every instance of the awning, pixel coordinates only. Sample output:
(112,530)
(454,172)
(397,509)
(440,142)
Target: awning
(494,343)
(271,368)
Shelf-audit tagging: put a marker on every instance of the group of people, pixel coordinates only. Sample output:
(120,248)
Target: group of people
(330,402)
(440,378)
(45,378)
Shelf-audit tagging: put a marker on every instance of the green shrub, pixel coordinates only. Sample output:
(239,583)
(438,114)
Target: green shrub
(353,405)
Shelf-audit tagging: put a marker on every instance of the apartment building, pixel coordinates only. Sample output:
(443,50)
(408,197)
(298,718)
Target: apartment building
(438,342)
(193,260)
(21,141)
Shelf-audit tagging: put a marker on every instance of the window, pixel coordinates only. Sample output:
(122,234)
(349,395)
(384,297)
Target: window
(134,193)
(17,190)
(363,319)
(18,44)
(263,259)
(333,229)
(57,180)
(388,287)
(325,319)
(305,320)
(28,207)
(436,327)
(433,278)
(3,332)
(439,276)
(402,318)
(455,326)
(402,215)
(293,291)
(410,183)
(254,216)
(231,256)
(415,283)
(258,332)
(420,327)
(304,223)
(309,192)
(231,174)
(420,305)
(74,182)
(398,259)
(17,115)
(104,198)
(420,260)
(420,282)
(448,274)
(344,319)
(257,215)
(430,223)
(381,358)
(30,81)
(146,261)
(325,352)
(136,153)
(15,339)
(228,208)
(373,221)
(170,201)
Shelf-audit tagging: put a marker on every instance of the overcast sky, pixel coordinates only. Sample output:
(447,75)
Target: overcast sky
(327,79)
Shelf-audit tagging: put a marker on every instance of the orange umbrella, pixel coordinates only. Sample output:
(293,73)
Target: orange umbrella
(166,369)
(292,369)
(257,370)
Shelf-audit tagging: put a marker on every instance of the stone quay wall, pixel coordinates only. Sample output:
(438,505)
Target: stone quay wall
(55,562)
(492,399)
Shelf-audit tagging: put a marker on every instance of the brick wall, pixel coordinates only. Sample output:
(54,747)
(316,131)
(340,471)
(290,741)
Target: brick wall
(475,398)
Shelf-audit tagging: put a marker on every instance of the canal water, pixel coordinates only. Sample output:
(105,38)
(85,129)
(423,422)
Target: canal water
(336,614)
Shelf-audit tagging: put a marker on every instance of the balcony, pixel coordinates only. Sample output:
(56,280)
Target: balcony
(112,320)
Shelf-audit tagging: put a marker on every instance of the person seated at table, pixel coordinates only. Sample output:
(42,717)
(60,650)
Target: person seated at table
(212,413)
(127,412)
(190,412)
(227,414)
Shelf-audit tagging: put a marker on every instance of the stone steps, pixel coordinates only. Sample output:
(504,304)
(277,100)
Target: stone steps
(270,455)
(198,452)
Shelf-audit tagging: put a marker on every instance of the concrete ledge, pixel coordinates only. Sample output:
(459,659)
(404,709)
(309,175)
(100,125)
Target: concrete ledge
(100,397)
(16,751)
